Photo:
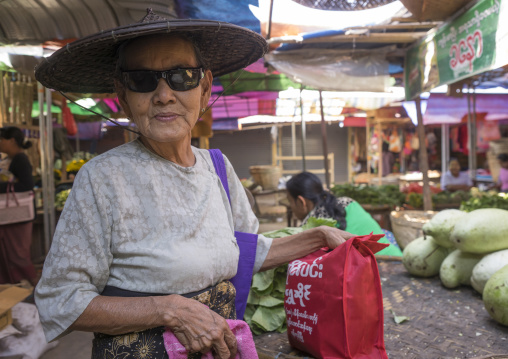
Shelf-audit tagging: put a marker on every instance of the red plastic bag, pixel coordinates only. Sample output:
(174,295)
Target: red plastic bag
(68,120)
(334,304)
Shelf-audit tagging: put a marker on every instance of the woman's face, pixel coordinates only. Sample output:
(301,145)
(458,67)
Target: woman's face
(163,115)
(454,168)
(298,207)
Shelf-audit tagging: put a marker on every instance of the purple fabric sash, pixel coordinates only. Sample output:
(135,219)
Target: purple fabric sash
(247,242)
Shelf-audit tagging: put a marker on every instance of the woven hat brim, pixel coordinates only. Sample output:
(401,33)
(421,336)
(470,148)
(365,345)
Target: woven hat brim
(88,64)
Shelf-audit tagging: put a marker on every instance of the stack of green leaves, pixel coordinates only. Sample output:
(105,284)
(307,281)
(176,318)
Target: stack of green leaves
(265,305)
(372,195)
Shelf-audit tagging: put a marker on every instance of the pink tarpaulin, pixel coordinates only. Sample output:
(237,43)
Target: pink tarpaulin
(244,105)
(442,109)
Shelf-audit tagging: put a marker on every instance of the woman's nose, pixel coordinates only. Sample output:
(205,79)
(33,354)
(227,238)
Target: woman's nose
(163,93)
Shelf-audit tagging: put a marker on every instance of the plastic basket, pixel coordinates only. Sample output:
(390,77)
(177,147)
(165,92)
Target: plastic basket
(407,225)
(16,207)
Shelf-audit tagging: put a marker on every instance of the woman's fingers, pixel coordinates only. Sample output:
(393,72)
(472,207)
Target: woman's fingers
(231,342)
(199,329)
(335,237)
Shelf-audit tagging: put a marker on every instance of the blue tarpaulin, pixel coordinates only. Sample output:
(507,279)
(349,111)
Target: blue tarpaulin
(233,11)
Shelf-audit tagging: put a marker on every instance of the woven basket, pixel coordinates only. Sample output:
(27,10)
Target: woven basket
(266,176)
(433,10)
(407,225)
(498,147)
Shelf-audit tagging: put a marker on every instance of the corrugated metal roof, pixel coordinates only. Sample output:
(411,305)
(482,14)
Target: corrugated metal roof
(36,21)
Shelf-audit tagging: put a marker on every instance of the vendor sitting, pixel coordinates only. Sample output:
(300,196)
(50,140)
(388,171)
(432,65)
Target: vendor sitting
(454,179)
(307,198)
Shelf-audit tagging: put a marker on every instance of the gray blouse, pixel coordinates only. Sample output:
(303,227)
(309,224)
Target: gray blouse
(136,221)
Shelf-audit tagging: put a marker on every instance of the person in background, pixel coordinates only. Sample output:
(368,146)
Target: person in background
(454,179)
(16,238)
(307,198)
(502,182)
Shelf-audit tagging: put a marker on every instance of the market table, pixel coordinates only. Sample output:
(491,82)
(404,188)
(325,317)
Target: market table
(443,323)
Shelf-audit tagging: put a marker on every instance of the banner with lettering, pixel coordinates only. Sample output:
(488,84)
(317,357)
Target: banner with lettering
(334,304)
(474,42)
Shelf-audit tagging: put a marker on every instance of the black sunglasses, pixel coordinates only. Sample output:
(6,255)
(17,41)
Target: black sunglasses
(178,79)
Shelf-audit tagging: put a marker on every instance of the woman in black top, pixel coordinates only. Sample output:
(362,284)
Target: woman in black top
(16,238)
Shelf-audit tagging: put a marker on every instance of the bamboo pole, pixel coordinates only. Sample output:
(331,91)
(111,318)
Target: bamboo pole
(304,132)
(1,98)
(379,153)
(424,161)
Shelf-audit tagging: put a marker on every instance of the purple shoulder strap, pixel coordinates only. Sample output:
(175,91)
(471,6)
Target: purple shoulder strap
(247,243)
(220,169)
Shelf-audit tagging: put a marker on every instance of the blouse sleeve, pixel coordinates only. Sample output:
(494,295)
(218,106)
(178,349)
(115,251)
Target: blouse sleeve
(77,266)
(244,219)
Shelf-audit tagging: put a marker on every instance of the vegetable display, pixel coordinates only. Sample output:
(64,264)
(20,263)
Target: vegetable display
(371,195)
(490,199)
(486,268)
(478,254)
(441,225)
(423,257)
(457,268)
(481,231)
(495,296)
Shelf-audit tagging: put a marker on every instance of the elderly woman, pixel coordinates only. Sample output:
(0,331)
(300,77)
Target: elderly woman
(147,234)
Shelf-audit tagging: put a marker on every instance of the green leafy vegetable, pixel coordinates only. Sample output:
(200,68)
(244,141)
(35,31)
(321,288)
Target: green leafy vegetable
(61,197)
(313,222)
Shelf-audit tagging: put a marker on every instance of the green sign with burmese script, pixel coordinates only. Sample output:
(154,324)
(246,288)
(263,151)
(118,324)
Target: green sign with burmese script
(468,45)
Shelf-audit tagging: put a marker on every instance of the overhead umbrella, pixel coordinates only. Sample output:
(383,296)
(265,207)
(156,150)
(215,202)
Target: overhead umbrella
(343,5)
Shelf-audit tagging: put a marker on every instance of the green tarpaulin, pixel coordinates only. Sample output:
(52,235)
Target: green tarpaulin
(253,81)
(75,110)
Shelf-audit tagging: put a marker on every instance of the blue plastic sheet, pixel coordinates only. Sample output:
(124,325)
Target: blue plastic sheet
(233,11)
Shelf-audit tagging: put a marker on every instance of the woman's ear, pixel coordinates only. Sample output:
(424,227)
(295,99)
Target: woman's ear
(300,201)
(120,91)
(206,88)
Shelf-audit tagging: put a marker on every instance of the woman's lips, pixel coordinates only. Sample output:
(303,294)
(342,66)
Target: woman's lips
(166,117)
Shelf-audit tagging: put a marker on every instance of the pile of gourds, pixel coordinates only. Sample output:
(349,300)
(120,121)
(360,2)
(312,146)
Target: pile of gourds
(466,249)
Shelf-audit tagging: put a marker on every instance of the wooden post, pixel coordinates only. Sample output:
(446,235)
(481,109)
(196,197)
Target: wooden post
(424,161)
(349,155)
(379,153)
(325,143)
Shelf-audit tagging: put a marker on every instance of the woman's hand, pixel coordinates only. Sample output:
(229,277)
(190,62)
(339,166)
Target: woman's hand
(198,328)
(333,237)
(286,249)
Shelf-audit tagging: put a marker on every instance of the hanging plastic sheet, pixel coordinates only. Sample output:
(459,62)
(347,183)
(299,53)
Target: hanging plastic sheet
(333,70)
(233,11)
